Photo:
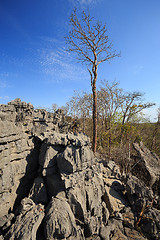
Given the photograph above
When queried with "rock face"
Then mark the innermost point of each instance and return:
(53, 187)
(149, 164)
(27, 222)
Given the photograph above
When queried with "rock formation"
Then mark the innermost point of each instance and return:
(53, 187)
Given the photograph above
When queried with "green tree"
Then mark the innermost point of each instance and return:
(132, 106)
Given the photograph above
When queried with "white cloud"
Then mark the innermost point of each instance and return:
(137, 68)
(151, 113)
(59, 65)
(3, 84)
(4, 97)
(85, 2)
(4, 75)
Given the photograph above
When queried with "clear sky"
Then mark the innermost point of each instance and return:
(35, 66)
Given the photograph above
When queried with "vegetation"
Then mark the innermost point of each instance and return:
(111, 117)
(120, 120)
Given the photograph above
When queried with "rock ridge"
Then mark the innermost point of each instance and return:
(53, 187)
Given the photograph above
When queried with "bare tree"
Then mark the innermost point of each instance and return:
(80, 107)
(110, 99)
(89, 40)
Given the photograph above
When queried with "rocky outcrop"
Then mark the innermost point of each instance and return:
(27, 221)
(53, 187)
(148, 163)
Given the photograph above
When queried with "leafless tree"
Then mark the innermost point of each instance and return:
(110, 100)
(90, 42)
(80, 107)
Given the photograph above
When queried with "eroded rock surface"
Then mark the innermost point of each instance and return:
(27, 222)
(149, 164)
(53, 187)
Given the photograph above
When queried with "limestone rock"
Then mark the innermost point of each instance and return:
(42, 162)
(84, 193)
(59, 222)
(112, 170)
(150, 223)
(27, 222)
(137, 193)
(149, 164)
(133, 234)
(128, 218)
(114, 201)
(38, 192)
(112, 231)
(47, 159)
(5, 221)
(74, 159)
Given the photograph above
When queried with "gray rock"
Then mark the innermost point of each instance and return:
(149, 163)
(128, 218)
(47, 160)
(41, 159)
(137, 193)
(150, 223)
(115, 201)
(84, 193)
(27, 222)
(58, 139)
(132, 234)
(54, 185)
(59, 222)
(112, 231)
(112, 170)
(38, 192)
(75, 159)
(5, 221)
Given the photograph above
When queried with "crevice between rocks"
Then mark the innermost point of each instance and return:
(27, 180)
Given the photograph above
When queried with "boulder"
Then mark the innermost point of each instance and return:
(150, 222)
(38, 192)
(113, 231)
(137, 193)
(27, 222)
(132, 234)
(148, 165)
(74, 159)
(6, 221)
(85, 190)
(59, 222)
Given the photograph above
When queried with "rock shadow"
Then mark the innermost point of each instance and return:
(31, 172)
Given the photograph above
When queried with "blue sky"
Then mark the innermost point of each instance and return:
(35, 66)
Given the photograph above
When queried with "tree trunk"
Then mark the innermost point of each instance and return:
(122, 128)
(94, 116)
(154, 136)
(110, 138)
(84, 124)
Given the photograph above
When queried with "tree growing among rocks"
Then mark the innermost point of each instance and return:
(90, 42)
